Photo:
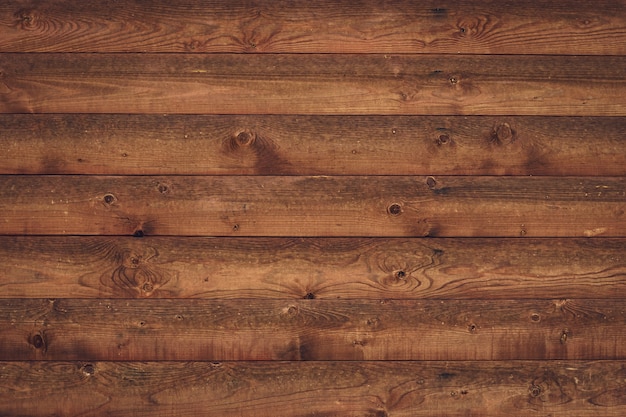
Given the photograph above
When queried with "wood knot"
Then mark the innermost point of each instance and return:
(38, 341)
(535, 390)
(291, 311)
(245, 138)
(394, 209)
(27, 19)
(136, 274)
(443, 139)
(88, 369)
(109, 199)
(502, 134)
(163, 188)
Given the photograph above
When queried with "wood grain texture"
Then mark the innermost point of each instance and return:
(367, 26)
(373, 389)
(397, 206)
(311, 145)
(295, 268)
(310, 329)
(313, 84)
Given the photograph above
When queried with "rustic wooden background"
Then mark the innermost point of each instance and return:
(330, 208)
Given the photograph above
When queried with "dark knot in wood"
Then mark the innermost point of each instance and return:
(502, 134)
(135, 273)
(394, 209)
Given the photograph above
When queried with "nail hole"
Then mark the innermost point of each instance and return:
(235, 228)
(309, 296)
(138, 233)
(472, 328)
(147, 287)
(443, 139)
(431, 182)
(535, 317)
(109, 198)
(400, 275)
(163, 189)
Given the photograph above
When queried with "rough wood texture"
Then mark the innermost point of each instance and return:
(309, 329)
(333, 197)
(373, 389)
(313, 84)
(269, 268)
(314, 206)
(367, 26)
(310, 145)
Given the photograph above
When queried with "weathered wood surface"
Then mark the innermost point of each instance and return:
(311, 329)
(380, 389)
(384, 206)
(313, 84)
(295, 268)
(467, 26)
(280, 164)
(310, 145)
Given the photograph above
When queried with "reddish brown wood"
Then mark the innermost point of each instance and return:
(313, 84)
(309, 145)
(335, 26)
(311, 329)
(314, 206)
(458, 389)
(291, 268)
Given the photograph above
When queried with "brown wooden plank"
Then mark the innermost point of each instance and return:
(310, 145)
(385, 206)
(294, 268)
(313, 84)
(467, 26)
(310, 329)
(381, 389)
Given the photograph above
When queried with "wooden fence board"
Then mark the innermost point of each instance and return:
(469, 26)
(310, 329)
(294, 268)
(380, 389)
(314, 206)
(313, 84)
(311, 145)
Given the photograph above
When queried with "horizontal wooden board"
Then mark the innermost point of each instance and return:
(311, 145)
(295, 268)
(468, 26)
(313, 84)
(310, 329)
(314, 206)
(376, 389)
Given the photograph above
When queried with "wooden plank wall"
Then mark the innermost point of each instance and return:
(331, 208)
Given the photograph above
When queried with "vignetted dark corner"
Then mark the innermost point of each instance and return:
(297, 208)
